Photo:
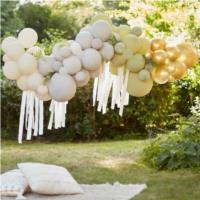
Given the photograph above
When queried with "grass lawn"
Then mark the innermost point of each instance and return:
(107, 162)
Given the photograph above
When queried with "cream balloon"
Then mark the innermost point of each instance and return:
(137, 30)
(132, 42)
(34, 81)
(91, 59)
(14, 50)
(27, 37)
(82, 78)
(102, 30)
(42, 90)
(119, 47)
(27, 63)
(138, 88)
(72, 64)
(123, 30)
(118, 60)
(135, 63)
(61, 87)
(107, 51)
(11, 70)
(7, 41)
(65, 51)
(84, 38)
(22, 83)
(145, 46)
(97, 43)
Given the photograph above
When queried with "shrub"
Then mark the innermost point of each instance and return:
(180, 149)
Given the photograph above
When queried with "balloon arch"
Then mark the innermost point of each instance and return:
(121, 60)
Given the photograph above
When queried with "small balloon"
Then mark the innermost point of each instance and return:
(97, 43)
(144, 75)
(123, 30)
(118, 60)
(145, 46)
(160, 75)
(65, 51)
(119, 47)
(107, 51)
(159, 56)
(173, 53)
(34, 81)
(135, 63)
(137, 31)
(82, 78)
(72, 64)
(180, 70)
(42, 90)
(84, 38)
(22, 83)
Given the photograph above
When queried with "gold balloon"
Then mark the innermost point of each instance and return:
(171, 79)
(170, 67)
(189, 55)
(149, 54)
(138, 88)
(180, 70)
(173, 53)
(159, 56)
(118, 60)
(160, 75)
(158, 44)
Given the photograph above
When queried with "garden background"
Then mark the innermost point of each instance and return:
(169, 115)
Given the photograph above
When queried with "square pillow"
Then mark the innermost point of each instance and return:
(49, 179)
(13, 183)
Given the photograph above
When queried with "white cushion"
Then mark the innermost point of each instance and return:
(49, 179)
(13, 183)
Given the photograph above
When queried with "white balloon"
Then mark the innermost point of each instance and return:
(56, 51)
(28, 37)
(35, 80)
(27, 63)
(101, 29)
(7, 41)
(22, 83)
(84, 38)
(97, 43)
(42, 90)
(6, 58)
(14, 50)
(56, 65)
(11, 70)
(35, 51)
(107, 51)
(91, 59)
(72, 64)
(82, 78)
(62, 87)
(76, 48)
(65, 51)
(45, 65)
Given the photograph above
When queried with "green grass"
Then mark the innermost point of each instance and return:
(107, 162)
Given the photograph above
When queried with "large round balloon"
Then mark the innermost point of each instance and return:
(27, 63)
(188, 54)
(11, 70)
(138, 88)
(180, 70)
(101, 29)
(84, 38)
(28, 37)
(62, 87)
(91, 59)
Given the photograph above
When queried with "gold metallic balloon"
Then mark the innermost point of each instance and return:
(159, 56)
(149, 54)
(173, 53)
(171, 79)
(180, 70)
(170, 67)
(158, 44)
(138, 88)
(188, 55)
(160, 75)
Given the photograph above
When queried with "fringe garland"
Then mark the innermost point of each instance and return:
(58, 114)
(31, 114)
(107, 82)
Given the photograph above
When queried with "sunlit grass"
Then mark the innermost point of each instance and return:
(107, 162)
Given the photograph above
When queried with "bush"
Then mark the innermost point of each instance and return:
(180, 149)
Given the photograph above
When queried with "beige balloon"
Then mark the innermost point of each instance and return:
(82, 78)
(11, 70)
(138, 88)
(42, 90)
(72, 64)
(7, 41)
(22, 83)
(34, 81)
(189, 55)
(132, 42)
(27, 63)
(28, 37)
